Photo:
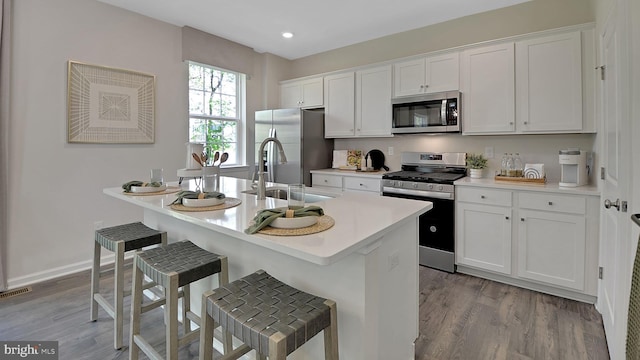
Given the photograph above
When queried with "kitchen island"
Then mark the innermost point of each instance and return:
(367, 262)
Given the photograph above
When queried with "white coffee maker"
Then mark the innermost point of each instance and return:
(574, 168)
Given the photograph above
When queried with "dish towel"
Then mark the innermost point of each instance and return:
(266, 216)
(196, 195)
(127, 186)
(633, 321)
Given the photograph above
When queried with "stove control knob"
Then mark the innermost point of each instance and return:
(399, 184)
(430, 186)
(440, 187)
(415, 185)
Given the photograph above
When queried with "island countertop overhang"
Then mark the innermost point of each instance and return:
(360, 219)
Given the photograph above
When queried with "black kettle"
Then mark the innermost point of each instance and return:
(377, 159)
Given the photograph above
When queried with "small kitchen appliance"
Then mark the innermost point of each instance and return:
(430, 177)
(426, 113)
(574, 168)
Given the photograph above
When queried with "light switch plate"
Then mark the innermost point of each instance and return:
(488, 152)
(390, 151)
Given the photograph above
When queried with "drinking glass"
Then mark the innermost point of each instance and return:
(295, 196)
(156, 176)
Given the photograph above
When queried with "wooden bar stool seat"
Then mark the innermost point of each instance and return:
(119, 239)
(173, 266)
(268, 316)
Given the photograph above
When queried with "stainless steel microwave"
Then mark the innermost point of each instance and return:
(427, 113)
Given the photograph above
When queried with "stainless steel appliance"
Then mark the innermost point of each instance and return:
(430, 177)
(427, 113)
(301, 133)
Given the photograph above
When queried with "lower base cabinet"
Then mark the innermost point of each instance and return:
(368, 184)
(534, 239)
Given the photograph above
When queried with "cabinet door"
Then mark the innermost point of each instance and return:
(549, 83)
(488, 89)
(326, 181)
(373, 102)
(483, 237)
(339, 110)
(409, 77)
(442, 73)
(290, 95)
(305, 93)
(551, 248)
(361, 184)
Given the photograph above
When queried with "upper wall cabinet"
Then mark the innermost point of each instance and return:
(488, 92)
(358, 104)
(426, 75)
(532, 86)
(302, 94)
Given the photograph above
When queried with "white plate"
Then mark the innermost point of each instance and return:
(294, 223)
(202, 202)
(148, 189)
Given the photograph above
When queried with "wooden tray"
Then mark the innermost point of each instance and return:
(520, 180)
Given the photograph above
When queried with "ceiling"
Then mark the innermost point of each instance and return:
(317, 26)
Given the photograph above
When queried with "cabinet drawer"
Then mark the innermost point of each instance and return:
(326, 180)
(483, 196)
(362, 184)
(552, 202)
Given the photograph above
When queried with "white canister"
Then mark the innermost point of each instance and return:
(191, 149)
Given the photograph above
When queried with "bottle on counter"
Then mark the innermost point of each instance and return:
(511, 169)
(519, 167)
(503, 165)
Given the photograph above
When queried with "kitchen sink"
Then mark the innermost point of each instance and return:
(281, 193)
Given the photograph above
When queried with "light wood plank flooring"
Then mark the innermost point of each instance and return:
(461, 317)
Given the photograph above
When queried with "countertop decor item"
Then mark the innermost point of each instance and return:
(128, 186)
(106, 105)
(265, 217)
(476, 163)
(190, 198)
(229, 202)
(324, 222)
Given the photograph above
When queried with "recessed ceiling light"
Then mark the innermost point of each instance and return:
(287, 35)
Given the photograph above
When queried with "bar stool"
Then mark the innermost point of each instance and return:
(172, 266)
(119, 239)
(267, 316)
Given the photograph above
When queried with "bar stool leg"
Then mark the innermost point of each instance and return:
(95, 280)
(223, 279)
(171, 311)
(331, 333)
(186, 307)
(118, 294)
(206, 330)
(277, 347)
(136, 309)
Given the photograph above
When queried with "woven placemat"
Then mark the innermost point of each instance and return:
(324, 222)
(168, 190)
(228, 203)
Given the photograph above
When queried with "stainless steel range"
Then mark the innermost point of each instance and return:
(430, 176)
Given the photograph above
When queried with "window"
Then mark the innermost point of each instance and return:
(215, 109)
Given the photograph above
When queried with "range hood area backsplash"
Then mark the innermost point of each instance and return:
(532, 148)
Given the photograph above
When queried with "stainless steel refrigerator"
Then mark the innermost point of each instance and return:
(301, 133)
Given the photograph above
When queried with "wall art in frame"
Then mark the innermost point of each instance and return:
(109, 106)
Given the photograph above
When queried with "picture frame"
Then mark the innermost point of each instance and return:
(107, 105)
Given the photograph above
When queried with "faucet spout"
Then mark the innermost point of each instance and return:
(261, 193)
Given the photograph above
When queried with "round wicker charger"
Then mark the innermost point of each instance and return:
(324, 222)
(228, 203)
(168, 190)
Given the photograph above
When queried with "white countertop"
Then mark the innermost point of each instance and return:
(547, 187)
(360, 219)
(352, 173)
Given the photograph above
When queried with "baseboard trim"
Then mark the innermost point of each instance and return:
(30, 279)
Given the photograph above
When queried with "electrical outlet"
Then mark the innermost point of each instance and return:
(97, 225)
(488, 152)
(390, 151)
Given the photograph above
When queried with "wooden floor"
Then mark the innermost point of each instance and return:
(461, 317)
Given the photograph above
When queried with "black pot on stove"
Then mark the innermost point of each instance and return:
(377, 159)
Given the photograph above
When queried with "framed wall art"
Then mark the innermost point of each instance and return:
(109, 106)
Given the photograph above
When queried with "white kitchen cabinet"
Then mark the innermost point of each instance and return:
(326, 181)
(302, 94)
(345, 181)
(550, 243)
(427, 75)
(339, 109)
(483, 230)
(358, 104)
(549, 83)
(373, 102)
(352, 183)
(488, 89)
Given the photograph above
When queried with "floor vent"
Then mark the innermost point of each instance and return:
(15, 292)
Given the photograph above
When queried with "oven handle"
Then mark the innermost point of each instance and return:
(419, 193)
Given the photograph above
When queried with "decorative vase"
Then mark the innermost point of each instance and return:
(475, 173)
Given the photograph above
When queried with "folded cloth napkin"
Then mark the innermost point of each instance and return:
(186, 194)
(127, 186)
(266, 216)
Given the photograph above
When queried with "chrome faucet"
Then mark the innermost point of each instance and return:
(262, 189)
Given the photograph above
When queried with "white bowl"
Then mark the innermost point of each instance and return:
(202, 202)
(294, 223)
(148, 189)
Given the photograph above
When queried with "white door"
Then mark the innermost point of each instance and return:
(614, 237)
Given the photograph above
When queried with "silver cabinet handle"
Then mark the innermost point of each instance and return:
(506, 218)
(522, 219)
(550, 203)
(608, 204)
(526, 122)
(511, 123)
(482, 196)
